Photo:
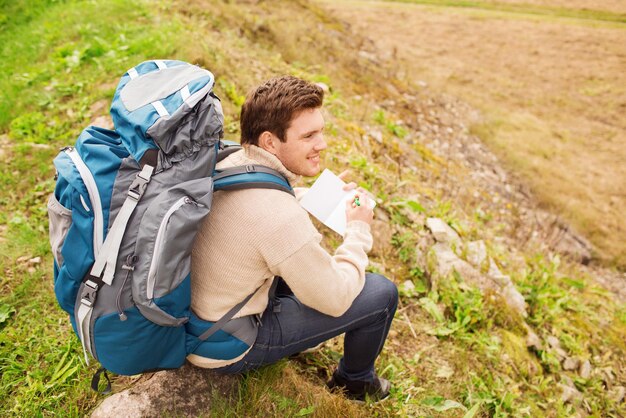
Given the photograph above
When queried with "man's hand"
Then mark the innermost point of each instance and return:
(359, 209)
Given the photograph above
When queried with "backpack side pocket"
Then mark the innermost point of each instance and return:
(161, 285)
(59, 221)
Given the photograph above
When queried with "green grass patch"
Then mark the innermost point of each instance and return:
(525, 9)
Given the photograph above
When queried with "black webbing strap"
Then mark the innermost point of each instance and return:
(95, 381)
(272, 295)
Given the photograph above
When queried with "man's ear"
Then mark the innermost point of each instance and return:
(267, 141)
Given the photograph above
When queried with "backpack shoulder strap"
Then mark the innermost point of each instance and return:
(251, 177)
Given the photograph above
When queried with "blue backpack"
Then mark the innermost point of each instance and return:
(124, 214)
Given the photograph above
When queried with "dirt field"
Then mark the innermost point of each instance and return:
(551, 92)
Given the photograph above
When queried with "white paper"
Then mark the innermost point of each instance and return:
(326, 200)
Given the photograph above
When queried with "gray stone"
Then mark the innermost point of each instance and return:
(584, 370)
(496, 275)
(617, 394)
(376, 135)
(476, 253)
(532, 339)
(514, 299)
(446, 261)
(185, 392)
(553, 342)
(570, 363)
(560, 353)
(570, 394)
(408, 286)
(442, 231)
(510, 293)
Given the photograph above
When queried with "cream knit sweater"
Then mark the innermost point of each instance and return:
(252, 235)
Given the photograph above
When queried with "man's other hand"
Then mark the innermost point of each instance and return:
(359, 209)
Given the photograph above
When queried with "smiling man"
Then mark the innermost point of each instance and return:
(253, 236)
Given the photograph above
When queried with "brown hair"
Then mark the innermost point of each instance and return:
(273, 105)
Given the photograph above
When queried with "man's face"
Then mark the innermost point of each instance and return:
(300, 153)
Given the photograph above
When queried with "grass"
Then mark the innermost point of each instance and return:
(453, 352)
(526, 9)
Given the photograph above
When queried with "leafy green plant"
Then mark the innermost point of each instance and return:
(392, 127)
(405, 244)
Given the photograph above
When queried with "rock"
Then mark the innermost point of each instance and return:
(447, 261)
(185, 392)
(375, 134)
(553, 342)
(560, 353)
(584, 370)
(476, 253)
(514, 299)
(617, 394)
(533, 340)
(563, 239)
(495, 273)
(408, 285)
(570, 363)
(570, 394)
(35, 261)
(382, 234)
(608, 375)
(442, 231)
(510, 293)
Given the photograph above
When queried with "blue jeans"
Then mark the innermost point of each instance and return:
(288, 327)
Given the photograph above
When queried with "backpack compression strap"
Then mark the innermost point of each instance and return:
(251, 177)
(104, 267)
(239, 178)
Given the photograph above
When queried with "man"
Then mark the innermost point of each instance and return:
(253, 235)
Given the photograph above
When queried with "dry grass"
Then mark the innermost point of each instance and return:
(552, 93)
(615, 6)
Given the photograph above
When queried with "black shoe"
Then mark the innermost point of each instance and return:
(359, 390)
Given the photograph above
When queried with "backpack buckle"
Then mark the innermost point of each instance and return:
(250, 169)
(89, 293)
(138, 186)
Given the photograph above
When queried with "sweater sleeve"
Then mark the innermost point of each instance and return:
(328, 283)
